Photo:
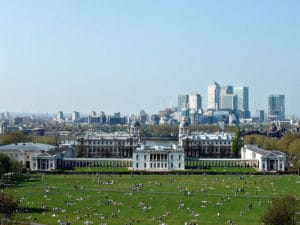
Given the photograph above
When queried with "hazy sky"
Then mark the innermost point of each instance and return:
(129, 55)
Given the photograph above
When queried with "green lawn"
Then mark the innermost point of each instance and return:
(149, 199)
(213, 169)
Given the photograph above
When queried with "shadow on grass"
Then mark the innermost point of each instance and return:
(31, 210)
(17, 180)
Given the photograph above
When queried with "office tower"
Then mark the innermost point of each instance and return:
(229, 102)
(242, 101)
(60, 116)
(75, 116)
(226, 90)
(276, 107)
(261, 115)
(183, 100)
(213, 94)
(195, 101)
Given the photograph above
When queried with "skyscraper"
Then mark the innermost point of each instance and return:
(276, 107)
(242, 101)
(75, 116)
(59, 116)
(195, 101)
(213, 94)
(183, 100)
(228, 100)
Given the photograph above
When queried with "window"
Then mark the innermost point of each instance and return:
(158, 165)
(150, 165)
(145, 157)
(171, 157)
(179, 157)
(137, 165)
(137, 157)
(179, 165)
(145, 165)
(172, 165)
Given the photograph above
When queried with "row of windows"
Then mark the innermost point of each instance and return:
(209, 151)
(159, 165)
(110, 142)
(209, 142)
(159, 157)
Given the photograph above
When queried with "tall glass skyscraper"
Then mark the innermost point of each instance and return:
(213, 95)
(183, 100)
(242, 101)
(276, 107)
(195, 101)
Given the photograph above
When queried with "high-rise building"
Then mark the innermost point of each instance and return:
(213, 94)
(195, 101)
(276, 107)
(75, 116)
(60, 116)
(242, 101)
(226, 90)
(261, 115)
(229, 102)
(183, 100)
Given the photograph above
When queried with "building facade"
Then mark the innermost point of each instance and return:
(213, 95)
(276, 107)
(267, 160)
(183, 101)
(109, 145)
(204, 145)
(195, 101)
(35, 156)
(75, 117)
(60, 116)
(242, 101)
(158, 158)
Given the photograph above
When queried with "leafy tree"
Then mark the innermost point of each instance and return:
(237, 143)
(294, 152)
(282, 211)
(5, 164)
(7, 207)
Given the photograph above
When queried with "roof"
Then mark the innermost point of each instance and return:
(28, 147)
(106, 136)
(159, 148)
(212, 136)
(264, 152)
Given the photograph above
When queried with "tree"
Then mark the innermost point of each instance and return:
(7, 207)
(282, 211)
(237, 143)
(5, 164)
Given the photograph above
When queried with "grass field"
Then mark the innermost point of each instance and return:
(147, 199)
(213, 169)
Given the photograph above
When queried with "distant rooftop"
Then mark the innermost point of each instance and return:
(263, 152)
(159, 148)
(29, 147)
(209, 136)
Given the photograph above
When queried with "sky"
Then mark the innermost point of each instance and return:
(124, 56)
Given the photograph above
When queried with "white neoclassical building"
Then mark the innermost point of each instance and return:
(158, 158)
(37, 156)
(267, 160)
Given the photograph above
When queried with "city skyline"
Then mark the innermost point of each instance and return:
(114, 56)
